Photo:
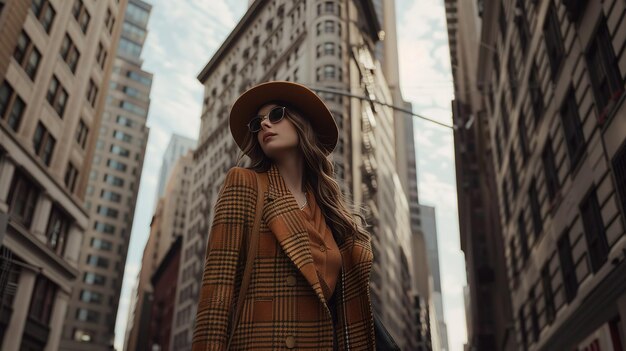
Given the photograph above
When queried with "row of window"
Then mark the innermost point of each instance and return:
(329, 72)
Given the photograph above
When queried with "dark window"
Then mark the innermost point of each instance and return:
(513, 170)
(110, 195)
(43, 143)
(57, 230)
(534, 317)
(44, 12)
(27, 55)
(122, 136)
(522, 25)
(81, 15)
(522, 327)
(71, 176)
(94, 279)
(11, 106)
(514, 269)
(498, 146)
(109, 21)
(116, 165)
(70, 53)
(42, 300)
(496, 66)
(595, 233)
(549, 168)
(81, 134)
(118, 150)
(108, 212)
(97, 261)
(101, 244)
(505, 117)
(619, 168)
(535, 208)
(512, 72)
(85, 315)
(606, 78)
(572, 128)
(101, 55)
(104, 227)
(92, 93)
(523, 236)
(57, 96)
(502, 21)
(567, 267)
(536, 96)
(554, 40)
(90, 296)
(523, 137)
(575, 8)
(113, 180)
(23, 197)
(548, 295)
(505, 200)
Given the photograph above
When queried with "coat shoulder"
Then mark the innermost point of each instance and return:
(239, 176)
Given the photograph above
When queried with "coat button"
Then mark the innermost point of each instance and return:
(290, 342)
(322, 247)
(291, 280)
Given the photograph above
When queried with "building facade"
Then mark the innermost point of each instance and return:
(111, 192)
(329, 46)
(167, 225)
(551, 74)
(55, 62)
(178, 146)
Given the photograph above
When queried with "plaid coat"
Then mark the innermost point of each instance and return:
(285, 307)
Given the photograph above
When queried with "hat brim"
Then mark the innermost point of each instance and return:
(296, 95)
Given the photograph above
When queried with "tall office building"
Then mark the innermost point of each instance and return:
(543, 81)
(55, 62)
(328, 45)
(167, 225)
(177, 147)
(111, 192)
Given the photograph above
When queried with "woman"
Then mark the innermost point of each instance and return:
(309, 288)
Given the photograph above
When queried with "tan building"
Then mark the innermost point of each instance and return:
(167, 225)
(55, 61)
(111, 192)
(552, 78)
(327, 45)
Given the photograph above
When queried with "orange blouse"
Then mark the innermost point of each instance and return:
(326, 255)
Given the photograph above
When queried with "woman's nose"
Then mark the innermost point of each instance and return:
(265, 123)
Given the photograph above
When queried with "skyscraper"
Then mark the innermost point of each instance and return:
(111, 192)
(177, 147)
(54, 68)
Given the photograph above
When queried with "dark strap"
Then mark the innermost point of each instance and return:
(253, 237)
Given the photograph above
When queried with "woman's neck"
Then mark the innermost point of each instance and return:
(291, 169)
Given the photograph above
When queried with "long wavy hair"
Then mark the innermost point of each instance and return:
(318, 174)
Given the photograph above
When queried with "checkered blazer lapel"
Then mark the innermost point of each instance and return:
(287, 222)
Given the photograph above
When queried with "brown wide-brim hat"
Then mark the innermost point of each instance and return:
(294, 95)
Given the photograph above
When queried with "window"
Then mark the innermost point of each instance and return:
(108, 212)
(575, 8)
(42, 300)
(129, 48)
(513, 254)
(97, 261)
(548, 295)
(125, 121)
(498, 146)
(329, 71)
(116, 165)
(122, 136)
(57, 230)
(549, 168)
(90, 296)
(101, 244)
(147, 81)
(535, 208)
(94, 279)
(92, 93)
(513, 171)
(597, 244)
(43, 143)
(110, 195)
(129, 106)
(86, 315)
(536, 96)
(101, 55)
(523, 236)
(496, 66)
(11, 106)
(567, 267)
(104, 227)
(505, 117)
(534, 317)
(57, 96)
(81, 15)
(554, 40)
(109, 21)
(44, 12)
(523, 137)
(572, 128)
(118, 150)
(23, 196)
(113, 180)
(604, 72)
(27, 55)
(137, 15)
(512, 72)
(522, 25)
(522, 327)
(81, 134)
(502, 21)
(71, 175)
(619, 169)
(505, 200)
(70, 53)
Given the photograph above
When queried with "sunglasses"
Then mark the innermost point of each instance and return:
(274, 116)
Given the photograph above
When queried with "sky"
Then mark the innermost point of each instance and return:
(183, 36)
